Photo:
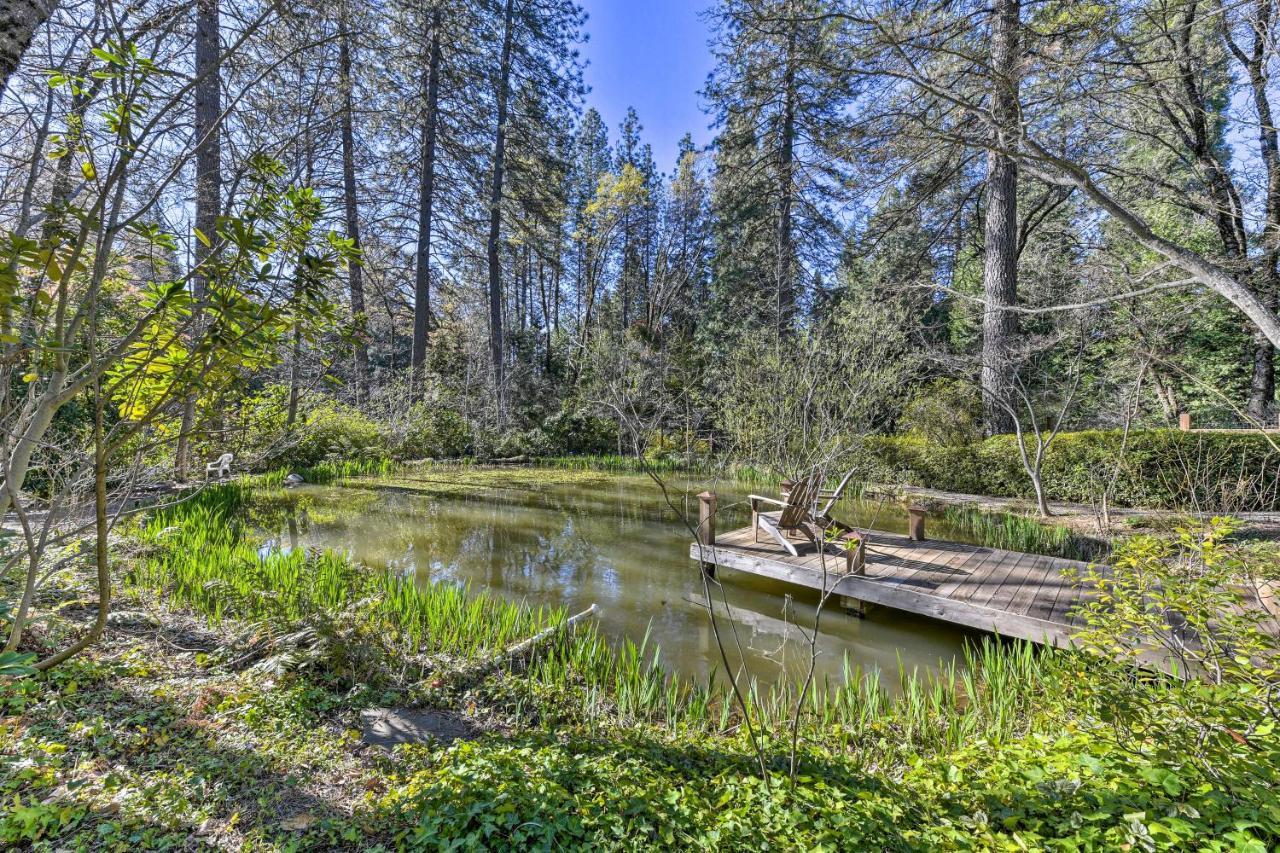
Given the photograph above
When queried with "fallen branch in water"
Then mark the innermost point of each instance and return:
(520, 649)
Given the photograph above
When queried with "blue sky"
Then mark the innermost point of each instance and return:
(652, 55)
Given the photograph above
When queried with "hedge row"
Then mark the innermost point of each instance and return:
(1158, 469)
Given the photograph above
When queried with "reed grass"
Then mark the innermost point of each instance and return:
(332, 472)
(989, 694)
(1013, 532)
(327, 473)
(202, 556)
(615, 464)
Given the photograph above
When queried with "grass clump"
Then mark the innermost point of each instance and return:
(1013, 532)
(702, 467)
(200, 554)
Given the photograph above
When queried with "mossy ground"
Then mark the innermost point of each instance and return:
(445, 480)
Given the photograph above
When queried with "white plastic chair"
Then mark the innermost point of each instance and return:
(221, 467)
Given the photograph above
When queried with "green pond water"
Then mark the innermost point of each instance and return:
(570, 539)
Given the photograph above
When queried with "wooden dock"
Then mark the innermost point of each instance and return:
(1018, 595)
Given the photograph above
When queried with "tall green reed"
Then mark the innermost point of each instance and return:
(1014, 532)
(202, 556)
(615, 464)
(990, 693)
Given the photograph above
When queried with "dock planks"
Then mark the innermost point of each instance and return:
(1018, 595)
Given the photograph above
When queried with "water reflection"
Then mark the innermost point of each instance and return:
(612, 542)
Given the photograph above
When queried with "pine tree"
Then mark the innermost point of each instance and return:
(781, 86)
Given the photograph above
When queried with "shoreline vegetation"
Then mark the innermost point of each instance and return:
(1070, 535)
(224, 707)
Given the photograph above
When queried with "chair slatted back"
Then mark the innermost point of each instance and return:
(838, 493)
(800, 502)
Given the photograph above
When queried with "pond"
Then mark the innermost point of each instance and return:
(571, 539)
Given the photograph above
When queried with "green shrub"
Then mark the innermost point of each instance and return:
(1159, 469)
(431, 431)
(331, 431)
(529, 442)
(944, 412)
(573, 431)
(1063, 793)
(568, 432)
(325, 430)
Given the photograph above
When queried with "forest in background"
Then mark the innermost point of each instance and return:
(958, 223)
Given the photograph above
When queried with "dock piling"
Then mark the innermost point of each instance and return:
(915, 522)
(707, 527)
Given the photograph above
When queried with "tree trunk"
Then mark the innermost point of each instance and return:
(1228, 207)
(1000, 272)
(785, 291)
(295, 381)
(208, 119)
(101, 523)
(19, 20)
(495, 205)
(1262, 387)
(426, 200)
(355, 272)
(1262, 390)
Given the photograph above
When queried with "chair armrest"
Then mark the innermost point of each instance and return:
(758, 499)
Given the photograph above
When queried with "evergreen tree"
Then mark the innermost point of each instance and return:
(782, 88)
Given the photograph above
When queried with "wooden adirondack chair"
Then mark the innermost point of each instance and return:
(796, 514)
(831, 498)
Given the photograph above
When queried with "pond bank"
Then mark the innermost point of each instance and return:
(166, 734)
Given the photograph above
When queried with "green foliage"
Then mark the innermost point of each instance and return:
(431, 431)
(1011, 748)
(944, 412)
(575, 431)
(1075, 791)
(14, 664)
(200, 554)
(335, 432)
(1159, 469)
(325, 431)
(1194, 607)
(333, 472)
(1066, 791)
(570, 431)
(1022, 533)
(530, 442)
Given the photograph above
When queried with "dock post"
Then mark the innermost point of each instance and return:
(1184, 421)
(855, 563)
(915, 523)
(855, 554)
(707, 527)
(854, 606)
